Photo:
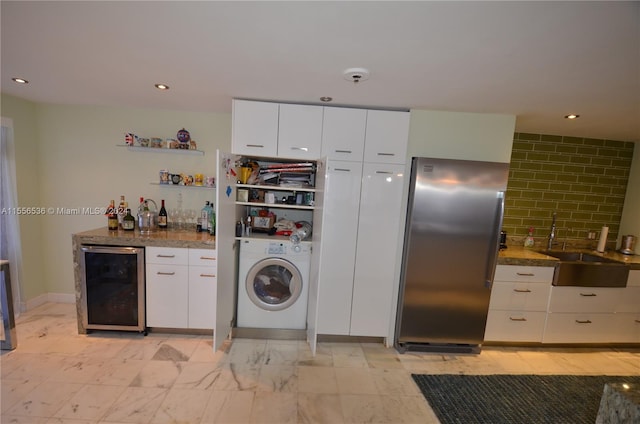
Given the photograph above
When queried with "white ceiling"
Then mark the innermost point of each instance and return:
(536, 60)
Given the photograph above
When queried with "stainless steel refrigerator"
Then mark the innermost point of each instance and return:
(452, 237)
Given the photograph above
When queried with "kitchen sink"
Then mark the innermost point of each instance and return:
(587, 270)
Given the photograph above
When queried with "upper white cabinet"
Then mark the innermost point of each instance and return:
(300, 131)
(255, 128)
(343, 131)
(276, 130)
(308, 132)
(386, 136)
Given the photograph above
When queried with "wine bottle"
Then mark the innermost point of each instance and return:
(162, 216)
(128, 222)
(112, 217)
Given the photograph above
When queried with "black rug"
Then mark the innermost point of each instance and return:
(515, 399)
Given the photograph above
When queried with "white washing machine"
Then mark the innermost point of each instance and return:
(273, 284)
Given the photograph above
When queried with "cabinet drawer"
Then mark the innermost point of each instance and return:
(634, 278)
(584, 299)
(519, 296)
(627, 328)
(579, 328)
(515, 326)
(541, 274)
(166, 255)
(630, 300)
(203, 257)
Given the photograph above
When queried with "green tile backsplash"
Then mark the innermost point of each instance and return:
(584, 180)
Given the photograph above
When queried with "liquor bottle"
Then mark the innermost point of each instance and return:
(128, 222)
(204, 218)
(112, 217)
(212, 220)
(122, 210)
(162, 216)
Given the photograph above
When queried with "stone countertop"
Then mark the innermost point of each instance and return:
(518, 255)
(160, 238)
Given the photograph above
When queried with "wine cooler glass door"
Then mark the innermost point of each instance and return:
(113, 288)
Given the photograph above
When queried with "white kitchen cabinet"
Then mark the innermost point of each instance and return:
(181, 287)
(203, 271)
(386, 136)
(627, 327)
(377, 245)
(584, 299)
(343, 132)
(582, 314)
(300, 131)
(167, 291)
(338, 246)
(579, 328)
(518, 304)
(255, 128)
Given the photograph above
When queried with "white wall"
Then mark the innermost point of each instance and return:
(23, 114)
(630, 221)
(67, 157)
(455, 135)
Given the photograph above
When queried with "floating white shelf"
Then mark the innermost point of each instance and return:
(162, 150)
(183, 186)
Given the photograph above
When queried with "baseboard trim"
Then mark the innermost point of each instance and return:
(47, 297)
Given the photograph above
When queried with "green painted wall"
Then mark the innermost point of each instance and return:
(583, 179)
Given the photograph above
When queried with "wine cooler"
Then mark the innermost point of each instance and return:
(113, 288)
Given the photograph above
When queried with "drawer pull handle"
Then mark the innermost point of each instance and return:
(526, 274)
(343, 151)
(517, 319)
(588, 294)
(166, 273)
(586, 321)
(207, 258)
(386, 154)
(384, 172)
(208, 275)
(343, 169)
(255, 145)
(522, 290)
(166, 256)
(304, 149)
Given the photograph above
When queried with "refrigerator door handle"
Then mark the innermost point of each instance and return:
(492, 260)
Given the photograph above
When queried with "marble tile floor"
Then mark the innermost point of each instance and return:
(58, 376)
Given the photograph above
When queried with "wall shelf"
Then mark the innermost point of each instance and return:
(183, 186)
(277, 188)
(276, 205)
(162, 150)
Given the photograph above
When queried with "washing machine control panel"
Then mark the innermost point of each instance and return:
(276, 249)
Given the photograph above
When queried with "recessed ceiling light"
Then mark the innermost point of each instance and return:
(572, 116)
(161, 86)
(20, 80)
(326, 99)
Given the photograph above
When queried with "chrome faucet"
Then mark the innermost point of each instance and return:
(552, 233)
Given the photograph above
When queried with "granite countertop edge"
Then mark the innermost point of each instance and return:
(518, 255)
(161, 238)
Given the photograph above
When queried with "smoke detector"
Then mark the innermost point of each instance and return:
(356, 75)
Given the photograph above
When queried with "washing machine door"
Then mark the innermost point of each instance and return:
(274, 284)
